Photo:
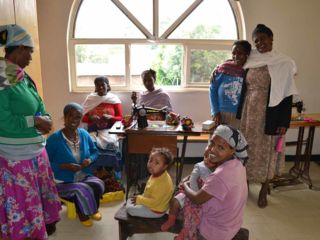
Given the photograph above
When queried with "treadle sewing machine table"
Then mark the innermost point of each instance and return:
(300, 170)
(157, 134)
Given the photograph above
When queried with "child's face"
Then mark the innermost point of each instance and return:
(239, 56)
(156, 164)
(218, 151)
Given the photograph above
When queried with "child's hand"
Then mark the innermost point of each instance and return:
(134, 199)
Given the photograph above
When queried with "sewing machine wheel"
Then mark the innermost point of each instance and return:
(142, 112)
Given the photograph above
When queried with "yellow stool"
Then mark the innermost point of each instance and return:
(71, 209)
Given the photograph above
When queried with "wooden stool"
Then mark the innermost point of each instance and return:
(71, 209)
(129, 225)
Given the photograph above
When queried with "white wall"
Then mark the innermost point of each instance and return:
(296, 32)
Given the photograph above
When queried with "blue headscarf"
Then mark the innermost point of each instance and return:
(14, 35)
(71, 106)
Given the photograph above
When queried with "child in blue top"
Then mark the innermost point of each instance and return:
(226, 85)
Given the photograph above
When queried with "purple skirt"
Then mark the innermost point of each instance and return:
(28, 198)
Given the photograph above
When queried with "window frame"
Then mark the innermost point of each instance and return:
(153, 38)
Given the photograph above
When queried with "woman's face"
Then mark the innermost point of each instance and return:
(23, 56)
(239, 56)
(263, 42)
(148, 82)
(218, 150)
(101, 88)
(72, 119)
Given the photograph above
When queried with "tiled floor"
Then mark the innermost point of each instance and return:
(293, 214)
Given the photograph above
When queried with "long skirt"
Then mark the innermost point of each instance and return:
(85, 194)
(28, 198)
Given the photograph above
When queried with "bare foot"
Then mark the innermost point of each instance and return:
(262, 201)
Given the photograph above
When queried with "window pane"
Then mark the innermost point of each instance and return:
(210, 20)
(166, 60)
(103, 19)
(142, 10)
(203, 62)
(93, 60)
(169, 11)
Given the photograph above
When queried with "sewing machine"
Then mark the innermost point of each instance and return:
(142, 114)
(299, 106)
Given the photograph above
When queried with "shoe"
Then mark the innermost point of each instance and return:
(87, 223)
(97, 216)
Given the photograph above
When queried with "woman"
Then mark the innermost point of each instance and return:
(226, 84)
(224, 193)
(29, 203)
(266, 111)
(70, 152)
(101, 110)
(154, 98)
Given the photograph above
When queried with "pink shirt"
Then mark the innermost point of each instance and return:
(222, 215)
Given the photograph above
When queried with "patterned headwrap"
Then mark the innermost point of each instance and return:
(13, 36)
(235, 139)
(71, 106)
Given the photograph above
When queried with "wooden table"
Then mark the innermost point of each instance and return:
(157, 134)
(300, 169)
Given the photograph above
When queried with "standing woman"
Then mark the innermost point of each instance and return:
(266, 111)
(29, 203)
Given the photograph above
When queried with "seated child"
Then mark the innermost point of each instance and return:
(224, 194)
(198, 175)
(154, 202)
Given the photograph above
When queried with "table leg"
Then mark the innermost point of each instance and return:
(304, 174)
(296, 169)
(127, 166)
(181, 162)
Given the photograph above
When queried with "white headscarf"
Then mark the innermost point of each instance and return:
(281, 69)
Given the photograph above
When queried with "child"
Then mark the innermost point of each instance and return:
(199, 173)
(226, 85)
(223, 196)
(154, 202)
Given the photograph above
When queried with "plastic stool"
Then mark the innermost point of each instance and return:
(71, 209)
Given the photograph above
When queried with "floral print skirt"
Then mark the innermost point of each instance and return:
(28, 198)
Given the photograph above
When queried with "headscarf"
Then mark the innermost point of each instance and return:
(14, 35)
(281, 69)
(71, 106)
(235, 139)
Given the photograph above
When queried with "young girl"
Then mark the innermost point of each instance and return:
(198, 175)
(154, 202)
(226, 85)
(224, 193)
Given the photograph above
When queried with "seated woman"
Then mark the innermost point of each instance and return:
(101, 110)
(224, 193)
(70, 152)
(154, 98)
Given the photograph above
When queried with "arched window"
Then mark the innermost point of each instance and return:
(183, 40)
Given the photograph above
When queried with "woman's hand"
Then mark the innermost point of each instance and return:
(134, 97)
(134, 199)
(86, 163)
(94, 118)
(281, 130)
(70, 166)
(106, 117)
(217, 119)
(43, 124)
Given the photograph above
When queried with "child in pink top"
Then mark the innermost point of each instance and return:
(224, 193)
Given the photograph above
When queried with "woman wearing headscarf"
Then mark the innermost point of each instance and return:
(71, 151)
(29, 203)
(266, 110)
(224, 193)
